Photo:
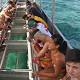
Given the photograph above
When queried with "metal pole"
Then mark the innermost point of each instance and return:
(40, 3)
(0, 4)
(53, 9)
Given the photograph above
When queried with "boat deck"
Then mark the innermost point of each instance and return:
(15, 59)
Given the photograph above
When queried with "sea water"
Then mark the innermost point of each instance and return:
(66, 17)
(68, 11)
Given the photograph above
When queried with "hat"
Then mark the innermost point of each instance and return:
(32, 23)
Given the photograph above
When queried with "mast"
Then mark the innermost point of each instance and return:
(53, 9)
(0, 4)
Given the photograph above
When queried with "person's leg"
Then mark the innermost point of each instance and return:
(44, 74)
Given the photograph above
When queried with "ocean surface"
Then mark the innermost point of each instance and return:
(66, 17)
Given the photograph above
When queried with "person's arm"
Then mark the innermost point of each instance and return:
(44, 73)
(59, 68)
(34, 50)
(44, 49)
(12, 9)
(56, 75)
(30, 30)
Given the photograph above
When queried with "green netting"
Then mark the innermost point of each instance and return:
(22, 61)
(16, 60)
(11, 61)
(18, 37)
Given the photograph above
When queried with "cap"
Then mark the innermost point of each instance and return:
(32, 23)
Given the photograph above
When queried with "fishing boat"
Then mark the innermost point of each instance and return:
(16, 57)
